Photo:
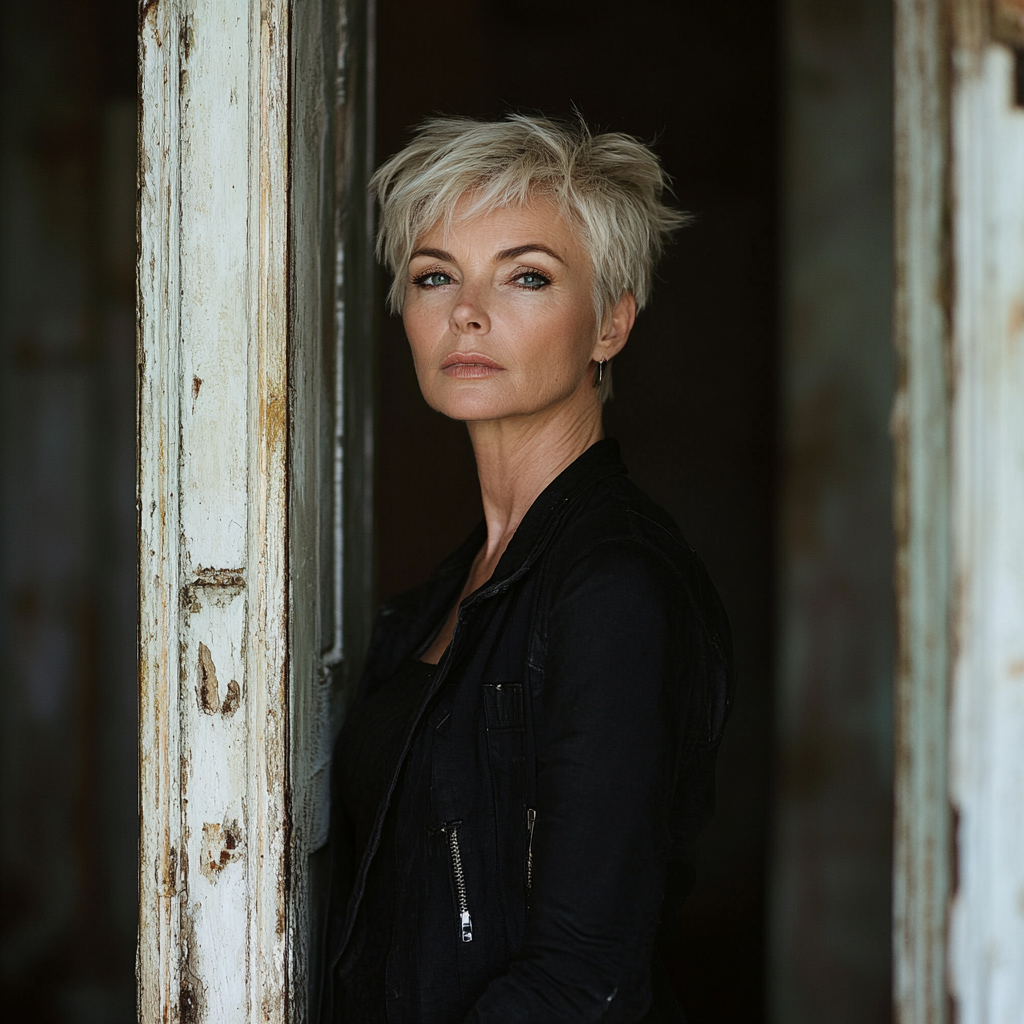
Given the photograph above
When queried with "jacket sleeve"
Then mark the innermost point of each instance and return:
(617, 702)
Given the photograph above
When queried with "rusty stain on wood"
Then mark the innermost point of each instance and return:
(228, 579)
(147, 8)
(209, 689)
(232, 700)
(1008, 22)
(209, 692)
(221, 845)
(192, 994)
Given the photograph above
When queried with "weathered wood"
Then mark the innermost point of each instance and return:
(959, 422)
(255, 316)
(987, 706)
(159, 590)
(920, 425)
(217, 890)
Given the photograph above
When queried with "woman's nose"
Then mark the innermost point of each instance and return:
(469, 316)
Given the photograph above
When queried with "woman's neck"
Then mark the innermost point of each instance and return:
(517, 457)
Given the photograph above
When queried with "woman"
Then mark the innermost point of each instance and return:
(530, 757)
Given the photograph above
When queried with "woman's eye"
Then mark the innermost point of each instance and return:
(433, 280)
(532, 280)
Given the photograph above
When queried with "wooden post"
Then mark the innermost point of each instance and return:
(245, 135)
(920, 425)
(959, 431)
(986, 946)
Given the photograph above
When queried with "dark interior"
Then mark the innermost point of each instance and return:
(695, 390)
(694, 411)
(68, 728)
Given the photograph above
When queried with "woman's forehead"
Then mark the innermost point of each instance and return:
(502, 227)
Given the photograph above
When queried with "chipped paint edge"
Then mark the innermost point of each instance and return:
(159, 618)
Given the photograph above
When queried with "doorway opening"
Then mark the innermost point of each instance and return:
(694, 408)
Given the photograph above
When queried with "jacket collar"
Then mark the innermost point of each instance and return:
(599, 461)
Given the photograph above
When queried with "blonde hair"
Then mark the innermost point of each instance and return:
(609, 186)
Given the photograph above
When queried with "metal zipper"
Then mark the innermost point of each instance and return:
(465, 921)
(531, 820)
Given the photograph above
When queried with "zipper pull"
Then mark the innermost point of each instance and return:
(467, 926)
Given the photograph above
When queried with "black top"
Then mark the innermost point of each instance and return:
(368, 748)
(552, 781)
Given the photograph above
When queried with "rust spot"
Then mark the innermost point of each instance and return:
(171, 872)
(192, 993)
(197, 383)
(1008, 22)
(209, 688)
(222, 584)
(187, 38)
(147, 8)
(189, 600)
(221, 845)
(1016, 324)
(229, 579)
(275, 419)
(209, 691)
(232, 700)
(1016, 667)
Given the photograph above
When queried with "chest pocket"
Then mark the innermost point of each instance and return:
(503, 705)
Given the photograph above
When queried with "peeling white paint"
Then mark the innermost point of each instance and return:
(216, 891)
(959, 425)
(987, 709)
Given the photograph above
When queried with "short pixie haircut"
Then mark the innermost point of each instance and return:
(609, 186)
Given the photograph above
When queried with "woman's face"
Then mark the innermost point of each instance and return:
(499, 312)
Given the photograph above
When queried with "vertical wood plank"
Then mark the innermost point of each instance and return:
(218, 893)
(959, 426)
(987, 706)
(255, 407)
(920, 426)
(159, 619)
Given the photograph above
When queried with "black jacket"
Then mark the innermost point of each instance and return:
(557, 773)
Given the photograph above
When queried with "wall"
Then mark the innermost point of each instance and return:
(68, 798)
(831, 853)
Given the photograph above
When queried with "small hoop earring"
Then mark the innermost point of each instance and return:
(599, 373)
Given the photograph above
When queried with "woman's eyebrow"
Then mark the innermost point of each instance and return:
(521, 250)
(499, 257)
(434, 254)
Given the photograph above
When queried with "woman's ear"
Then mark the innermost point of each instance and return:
(616, 328)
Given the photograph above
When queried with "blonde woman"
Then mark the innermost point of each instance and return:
(522, 778)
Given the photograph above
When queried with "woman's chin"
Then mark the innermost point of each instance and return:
(473, 400)
(469, 411)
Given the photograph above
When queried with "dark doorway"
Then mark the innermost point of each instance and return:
(695, 390)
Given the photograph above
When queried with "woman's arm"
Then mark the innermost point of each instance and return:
(617, 703)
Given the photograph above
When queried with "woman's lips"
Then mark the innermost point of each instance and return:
(467, 365)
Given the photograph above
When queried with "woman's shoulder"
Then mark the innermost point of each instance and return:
(616, 515)
(619, 531)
